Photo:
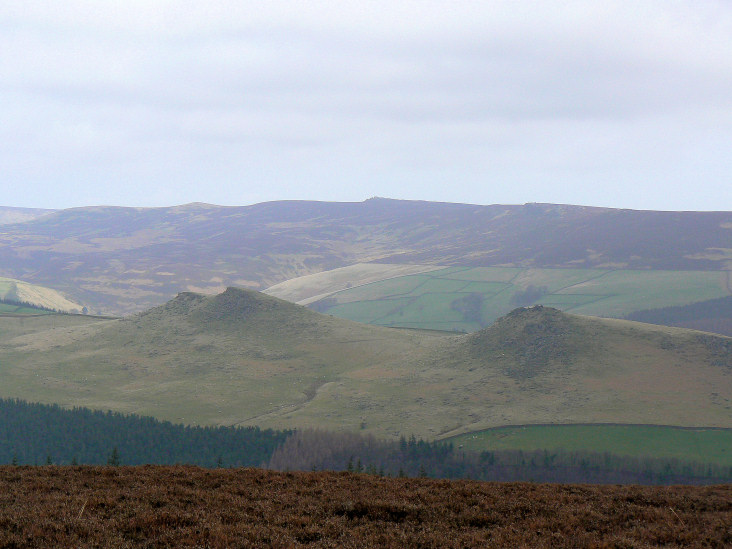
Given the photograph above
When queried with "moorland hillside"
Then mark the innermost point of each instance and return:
(123, 260)
(192, 507)
(245, 358)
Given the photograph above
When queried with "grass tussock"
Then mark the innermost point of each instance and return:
(191, 507)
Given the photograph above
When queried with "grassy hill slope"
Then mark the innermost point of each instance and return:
(314, 287)
(468, 298)
(123, 260)
(242, 357)
(17, 291)
(235, 358)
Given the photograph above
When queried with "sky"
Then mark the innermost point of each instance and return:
(157, 103)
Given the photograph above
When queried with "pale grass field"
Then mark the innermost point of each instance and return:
(17, 290)
(306, 289)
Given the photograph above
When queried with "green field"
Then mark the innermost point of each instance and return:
(702, 445)
(436, 300)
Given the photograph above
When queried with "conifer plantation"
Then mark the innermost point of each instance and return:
(37, 434)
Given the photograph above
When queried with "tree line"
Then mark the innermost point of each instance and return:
(712, 315)
(323, 450)
(38, 434)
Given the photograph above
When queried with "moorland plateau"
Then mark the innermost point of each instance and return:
(191, 507)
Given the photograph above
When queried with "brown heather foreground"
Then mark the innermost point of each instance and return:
(155, 506)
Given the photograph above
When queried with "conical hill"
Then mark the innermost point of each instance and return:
(245, 358)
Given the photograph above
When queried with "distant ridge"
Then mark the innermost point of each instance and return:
(19, 215)
(124, 260)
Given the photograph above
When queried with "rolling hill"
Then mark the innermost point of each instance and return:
(124, 260)
(245, 358)
(10, 215)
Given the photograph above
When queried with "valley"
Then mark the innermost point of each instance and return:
(117, 261)
(385, 318)
(415, 275)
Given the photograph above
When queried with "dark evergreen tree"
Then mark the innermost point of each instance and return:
(113, 457)
(30, 433)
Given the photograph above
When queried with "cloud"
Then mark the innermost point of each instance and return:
(235, 102)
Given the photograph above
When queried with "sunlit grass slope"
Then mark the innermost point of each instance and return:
(17, 291)
(468, 298)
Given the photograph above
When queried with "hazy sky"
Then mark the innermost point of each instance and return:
(623, 104)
